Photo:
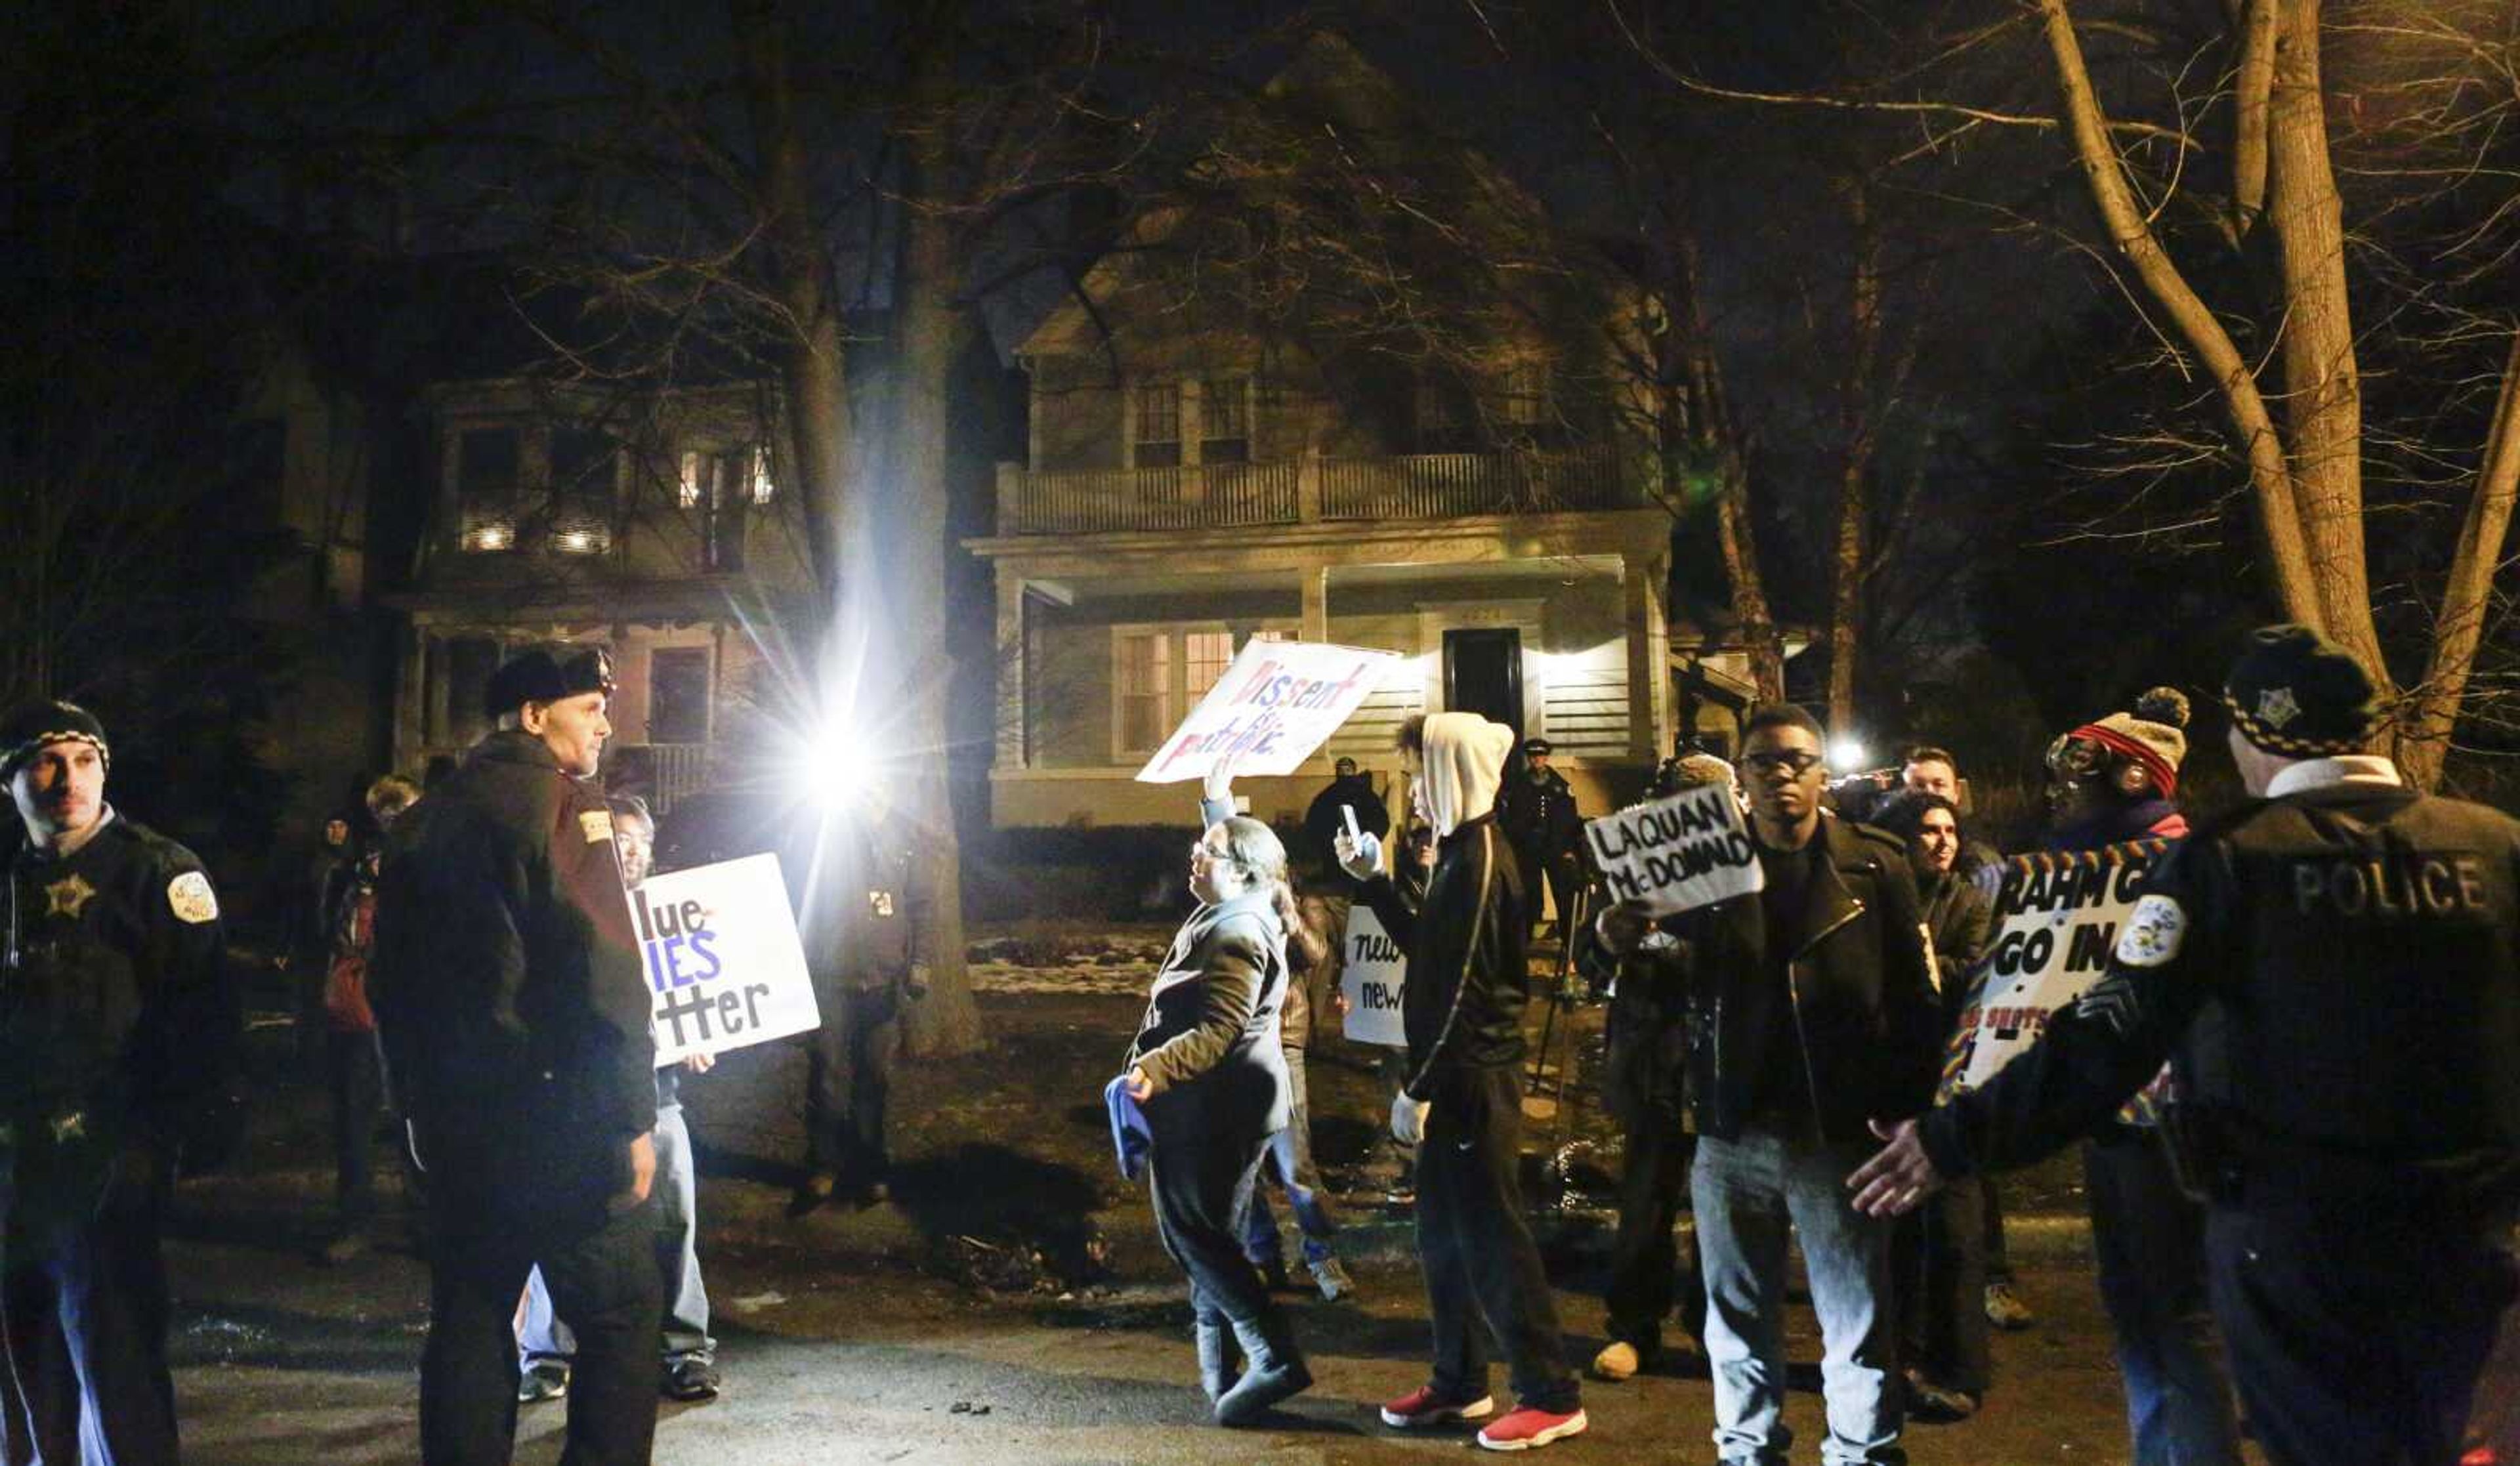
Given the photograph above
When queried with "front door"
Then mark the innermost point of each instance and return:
(1483, 675)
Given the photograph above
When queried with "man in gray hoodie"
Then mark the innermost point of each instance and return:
(1461, 1009)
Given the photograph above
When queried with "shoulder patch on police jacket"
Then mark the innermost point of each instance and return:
(190, 896)
(598, 824)
(2154, 934)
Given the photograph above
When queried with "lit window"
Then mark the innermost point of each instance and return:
(762, 488)
(696, 466)
(1205, 654)
(490, 534)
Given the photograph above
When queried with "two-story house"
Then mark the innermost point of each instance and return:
(651, 523)
(1210, 463)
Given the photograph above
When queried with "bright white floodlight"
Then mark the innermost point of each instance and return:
(1845, 753)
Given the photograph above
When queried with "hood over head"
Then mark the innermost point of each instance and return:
(1463, 765)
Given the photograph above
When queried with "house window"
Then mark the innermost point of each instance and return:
(1525, 413)
(488, 462)
(582, 491)
(1141, 684)
(678, 695)
(1158, 674)
(459, 669)
(719, 487)
(1157, 441)
(1444, 423)
(1225, 420)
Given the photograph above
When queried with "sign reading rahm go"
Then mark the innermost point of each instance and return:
(725, 970)
(1276, 703)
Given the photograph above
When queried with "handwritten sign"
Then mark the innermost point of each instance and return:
(1675, 853)
(1372, 977)
(1278, 703)
(725, 970)
(2057, 920)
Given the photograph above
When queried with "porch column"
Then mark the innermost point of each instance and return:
(1316, 603)
(411, 704)
(1014, 711)
(1644, 579)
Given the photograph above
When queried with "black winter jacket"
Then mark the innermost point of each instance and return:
(1487, 977)
(1872, 1031)
(508, 982)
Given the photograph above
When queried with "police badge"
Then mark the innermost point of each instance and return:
(2276, 706)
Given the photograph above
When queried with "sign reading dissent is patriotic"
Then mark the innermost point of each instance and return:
(1278, 703)
(725, 970)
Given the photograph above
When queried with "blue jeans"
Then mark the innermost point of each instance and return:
(543, 1337)
(2151, 1239)
(1289, 1161)
(1747, 1194)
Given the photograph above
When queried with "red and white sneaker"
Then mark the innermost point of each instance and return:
(1526, 1429)
(1422, 1407)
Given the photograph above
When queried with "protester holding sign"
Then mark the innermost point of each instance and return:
(1644, 1086)
(1460, 1101)
(1208, 1070)
(687, 1369)
(507, 984)
(1821, 1011)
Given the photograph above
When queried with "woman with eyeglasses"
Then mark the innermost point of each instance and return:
(1207, 1072)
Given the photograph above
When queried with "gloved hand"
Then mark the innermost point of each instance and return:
(1407, 1116)
(1360, 854)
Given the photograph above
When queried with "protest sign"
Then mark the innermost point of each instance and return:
(1371, 979)
(1673, 853)
(2057, 920)
(725, 970)
(1278, 703)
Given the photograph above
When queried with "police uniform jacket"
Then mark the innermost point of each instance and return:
(1862, 998)
(508, 982)
(119, 1022)
(2334, 975)
(1209, 1042)
(1539, 815)
(1469, 976)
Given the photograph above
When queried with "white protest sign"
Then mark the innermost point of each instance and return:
(725, 970)
(2057, 920)
(1371, 978)
(1675, 853)
(1278, 703)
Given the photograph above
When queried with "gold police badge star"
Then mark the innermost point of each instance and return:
(2276, 706)
(67, 897)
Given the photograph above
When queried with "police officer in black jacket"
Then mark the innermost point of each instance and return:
(119, 1036)
(514, 1006)
(2333, 970)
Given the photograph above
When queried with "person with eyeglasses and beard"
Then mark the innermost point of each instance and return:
(1810, 1010)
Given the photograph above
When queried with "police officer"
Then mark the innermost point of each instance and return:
(1536, 812)
(119, 1036)
(869, 966)
(514, 1006)
(2334, 970)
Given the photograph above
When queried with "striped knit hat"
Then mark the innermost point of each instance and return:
(2149, 736)
(2295, 694)
(32, 724)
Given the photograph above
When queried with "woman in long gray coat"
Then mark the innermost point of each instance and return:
(1207, 1072)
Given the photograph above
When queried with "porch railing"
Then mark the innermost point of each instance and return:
(1311, 490)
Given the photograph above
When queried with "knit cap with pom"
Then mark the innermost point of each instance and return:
(2149, 735)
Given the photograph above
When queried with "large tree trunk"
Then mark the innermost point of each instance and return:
(2322, 389)
(812, 362)
(1847, 562)
(1716, 441)
(914, 531)
(2423, 730)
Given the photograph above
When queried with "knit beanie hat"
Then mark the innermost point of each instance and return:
(2149, 736)
(32, 724)
(2296, 694)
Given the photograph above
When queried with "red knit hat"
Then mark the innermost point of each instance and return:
(2149, 736)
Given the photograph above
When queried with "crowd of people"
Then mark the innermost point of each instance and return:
(2289, 1085)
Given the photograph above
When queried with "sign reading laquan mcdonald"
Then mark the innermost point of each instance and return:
(725, 970)
(1278, 703)
(1672, 854)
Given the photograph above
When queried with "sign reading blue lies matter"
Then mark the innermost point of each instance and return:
(725, 970)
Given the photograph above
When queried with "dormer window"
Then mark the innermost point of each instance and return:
(1225, 420)
(1156, 438)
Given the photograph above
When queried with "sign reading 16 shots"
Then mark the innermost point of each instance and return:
(725, 970)
(1371, 979)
